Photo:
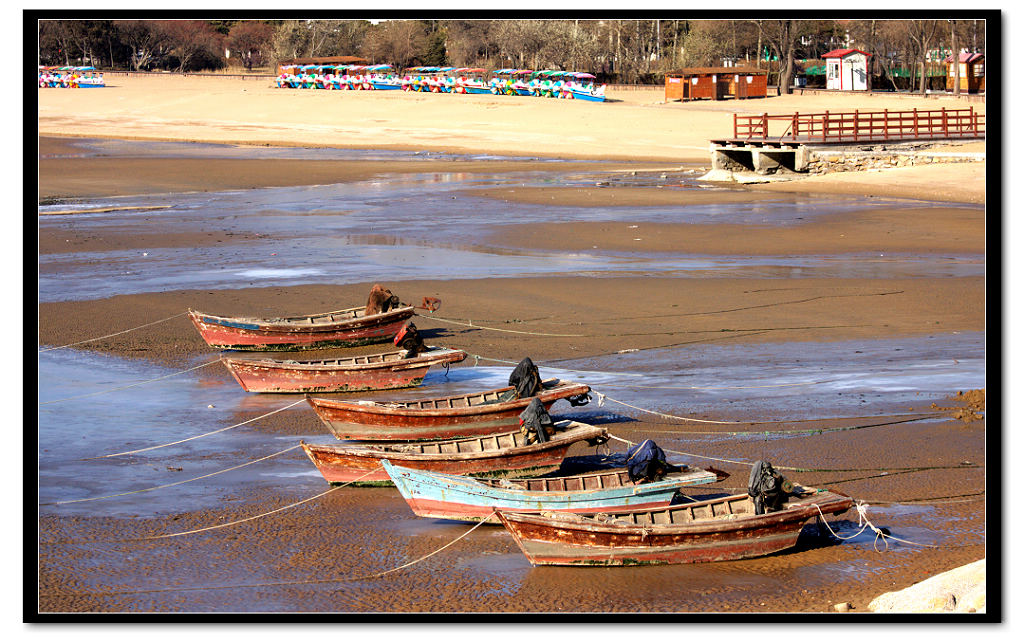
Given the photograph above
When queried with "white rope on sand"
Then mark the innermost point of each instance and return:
(601, 398)
(679, 452)
(115, 334)
(249, 519)
(205, 434)
(177, 483)
(477, 358)
(483, 327)
(131, 385)
(296, 582)
(864, 524)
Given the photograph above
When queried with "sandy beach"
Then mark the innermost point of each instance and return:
(558, 318)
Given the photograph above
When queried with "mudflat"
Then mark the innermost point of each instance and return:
(917, 473)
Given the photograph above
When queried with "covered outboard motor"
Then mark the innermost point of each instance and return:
(381, 300)
(409, 339)
(646, 462)
(536, 423)
(767, 488)
(525, 378)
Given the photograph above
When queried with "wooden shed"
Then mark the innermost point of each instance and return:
(329, 60)
(847, 70)
(715, 83)
(972, 73)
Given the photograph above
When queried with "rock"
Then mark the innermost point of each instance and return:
(960, 590)
(843, 607)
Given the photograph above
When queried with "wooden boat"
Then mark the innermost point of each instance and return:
(384, 371)
(342, 328)
(481, 413)
(499, 455)
(592, 96)
(706, 531)
(472, 499)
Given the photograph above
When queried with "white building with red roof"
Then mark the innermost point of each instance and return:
(847, 70)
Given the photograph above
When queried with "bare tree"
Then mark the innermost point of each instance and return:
(955, 54)
(142, 38)
(252, 42)
(923, 33)
(290, 39)
(395, 41)
(520, 42)
(55, 36)
(191, 38)
(470, 42)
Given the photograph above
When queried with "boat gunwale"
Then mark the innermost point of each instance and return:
(572, 432)
(472, 486)
(797, 511)
(443, 355)
(292, 324)
(401, 408)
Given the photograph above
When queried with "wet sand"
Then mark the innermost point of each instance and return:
(87, 564)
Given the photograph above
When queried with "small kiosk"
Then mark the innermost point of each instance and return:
(715, 83)
(847, 70)
(972, 73)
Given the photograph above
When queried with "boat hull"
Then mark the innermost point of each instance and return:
(226, 333)
(360, 463)
(555, 540)
(371, 421)
(582, 95)
(441, 496)
(270, 376)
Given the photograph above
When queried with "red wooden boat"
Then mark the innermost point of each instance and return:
(342, 328)
(707, 531)
(384, 371)
(498, 455)
(481, 413)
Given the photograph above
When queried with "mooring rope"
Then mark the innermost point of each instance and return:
(131, 385)
(864, 523)
(601, 399)
(177, 483)
(808, 470)
(771, 385)
(249, 519)
(793, 431)
(286, 583)
(107, 336)
(483, 327)
(478, 358)
(205, 434)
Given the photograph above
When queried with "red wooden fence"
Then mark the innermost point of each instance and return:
(863, 126)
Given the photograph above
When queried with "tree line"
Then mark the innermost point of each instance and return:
(619, 51)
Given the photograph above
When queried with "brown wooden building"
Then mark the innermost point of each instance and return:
(972, 73)
(715, 83)
(329, 60)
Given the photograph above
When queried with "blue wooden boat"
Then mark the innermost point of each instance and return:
(386, 84)
(586, 95)
(472, 499)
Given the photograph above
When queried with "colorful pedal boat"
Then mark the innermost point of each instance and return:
(384, 371)
(341, 329)
(472, 499)
(505, 454)
(706, 531)
(467, 415)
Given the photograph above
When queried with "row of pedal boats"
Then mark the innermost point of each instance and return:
(465, 458)
(505, 82)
